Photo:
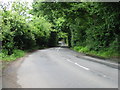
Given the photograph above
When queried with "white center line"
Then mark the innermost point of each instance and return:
(58, 49)
(78, 65)
(82, 66)
(69, 61)
(104, 76)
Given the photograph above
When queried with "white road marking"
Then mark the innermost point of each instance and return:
(69, 61)
(104, 76)
(58, 49)
(78, 65)
(100, 74)
(82, 66)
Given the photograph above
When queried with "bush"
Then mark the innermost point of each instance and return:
(77, 48)
(21, 32)
(16, 54)
(81, 49)
(105, 53)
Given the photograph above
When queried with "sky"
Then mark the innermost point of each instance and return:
(29, 1)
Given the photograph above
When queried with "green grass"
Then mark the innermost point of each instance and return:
(106, 53)
(16, 54)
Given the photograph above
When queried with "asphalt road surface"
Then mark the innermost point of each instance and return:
(58, 68)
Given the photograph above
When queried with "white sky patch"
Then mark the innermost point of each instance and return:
(29, 2)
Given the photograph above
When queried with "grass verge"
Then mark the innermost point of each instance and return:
(6, 59)
(106, 53)
(16, 54)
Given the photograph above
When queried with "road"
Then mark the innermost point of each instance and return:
(58, 68)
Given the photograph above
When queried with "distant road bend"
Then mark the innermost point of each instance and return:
(58, 68)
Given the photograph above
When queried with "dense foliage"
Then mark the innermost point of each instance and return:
(22, 31)
(92, 28)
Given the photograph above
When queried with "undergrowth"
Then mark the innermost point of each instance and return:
(16, 54)
(105, 53)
